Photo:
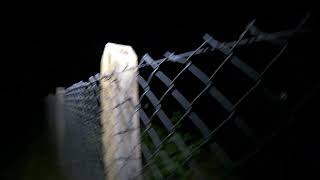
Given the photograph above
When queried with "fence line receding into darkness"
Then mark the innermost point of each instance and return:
(188, 107)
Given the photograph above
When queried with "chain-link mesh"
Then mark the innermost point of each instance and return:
(82, 148)
(188, 107)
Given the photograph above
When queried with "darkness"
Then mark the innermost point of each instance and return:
(43, 51)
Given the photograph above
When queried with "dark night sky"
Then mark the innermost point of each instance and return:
(45, 51)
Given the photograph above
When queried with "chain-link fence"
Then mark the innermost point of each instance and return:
(191, 108)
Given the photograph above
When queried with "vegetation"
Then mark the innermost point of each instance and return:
(203, 160)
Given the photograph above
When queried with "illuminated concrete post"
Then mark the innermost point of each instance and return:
(120, 123)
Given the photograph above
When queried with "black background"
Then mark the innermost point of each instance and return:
(43, 49)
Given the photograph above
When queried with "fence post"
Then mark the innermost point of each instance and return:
(59, 120)
(120, 122)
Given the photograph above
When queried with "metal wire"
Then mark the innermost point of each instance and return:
(82, 107)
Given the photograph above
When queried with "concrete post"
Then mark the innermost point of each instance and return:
(120, 122)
